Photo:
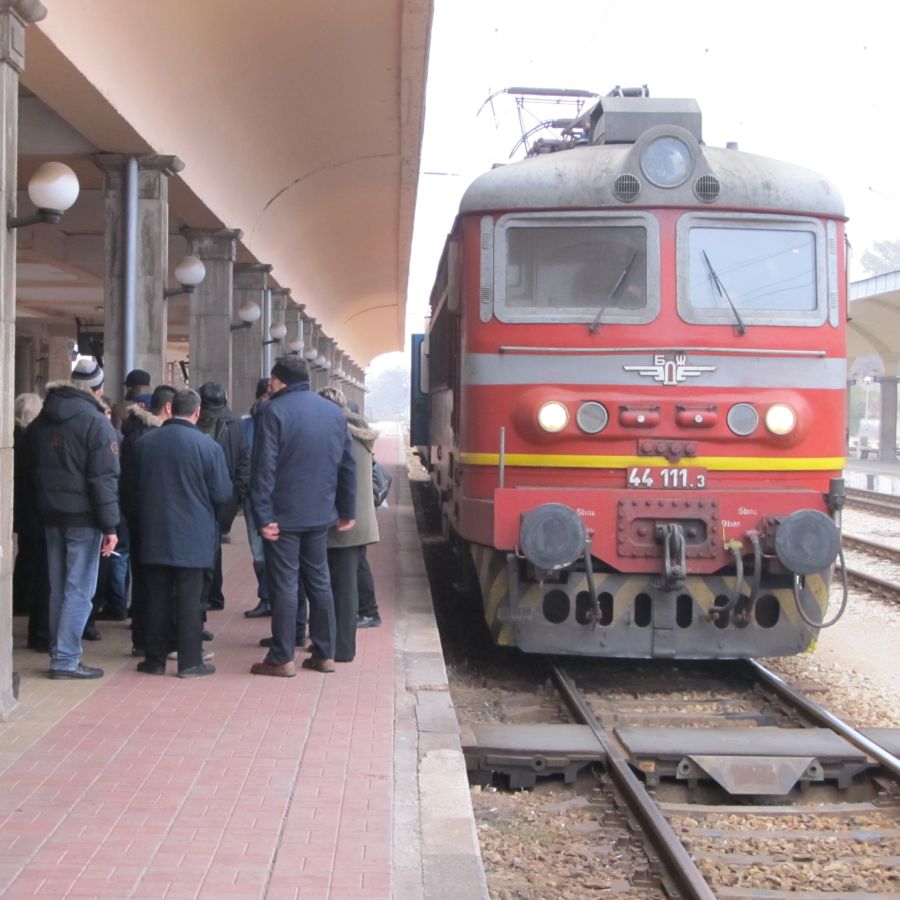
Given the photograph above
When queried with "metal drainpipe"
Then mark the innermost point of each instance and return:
(130, 265)
(266, 322)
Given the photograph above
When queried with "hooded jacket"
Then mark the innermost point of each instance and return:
(75, 458)
(365, 531)
(137, 423)
(227, 430)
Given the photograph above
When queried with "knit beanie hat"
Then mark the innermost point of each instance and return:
(87, 371)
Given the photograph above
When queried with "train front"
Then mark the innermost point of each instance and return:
(640, 428)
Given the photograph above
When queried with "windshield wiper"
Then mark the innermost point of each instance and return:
(594, 327)
(742, 329)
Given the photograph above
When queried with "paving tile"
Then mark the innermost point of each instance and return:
(231, 786)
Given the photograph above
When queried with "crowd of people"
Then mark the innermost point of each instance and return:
(121, 510)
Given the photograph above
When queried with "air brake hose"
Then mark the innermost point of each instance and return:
(735, 548)
(743, 615)
(839, 613)
(592, 588)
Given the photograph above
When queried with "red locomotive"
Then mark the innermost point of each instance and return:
(634, 390)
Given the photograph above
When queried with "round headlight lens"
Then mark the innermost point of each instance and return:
(592, 417)
(667, 162)
(553, 416)
(780, 419)
(742, 419)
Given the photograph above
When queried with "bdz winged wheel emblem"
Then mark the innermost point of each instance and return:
(670, 371)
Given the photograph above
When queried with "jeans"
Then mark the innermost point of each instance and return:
(296, 555)
(258, 552)
(73, 556)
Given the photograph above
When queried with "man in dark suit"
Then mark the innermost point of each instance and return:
(182, 480)
(303, 481)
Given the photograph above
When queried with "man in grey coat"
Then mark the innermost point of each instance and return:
(182, 480)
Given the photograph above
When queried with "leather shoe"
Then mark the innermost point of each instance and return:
(149, 669)
(90, 633)
(207, 635)
(39, 646)
(285, 670)
(197, 671)
(79, 672)
(267, 642)
(368, 621)
(215, 604)
(318, 664)
(259, 611)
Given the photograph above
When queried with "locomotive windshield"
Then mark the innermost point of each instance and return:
(576, 269)
(754, 273)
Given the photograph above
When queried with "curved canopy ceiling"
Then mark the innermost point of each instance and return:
(299, 123)
(875, 319)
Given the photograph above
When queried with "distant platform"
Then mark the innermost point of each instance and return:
(879, 475)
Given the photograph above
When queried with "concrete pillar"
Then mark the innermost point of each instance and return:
(247, 343)
(211, 305)
(280, 300)
(151, 267)
(888, 436)
(15, 17)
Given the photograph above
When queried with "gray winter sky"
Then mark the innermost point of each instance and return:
(813, 83)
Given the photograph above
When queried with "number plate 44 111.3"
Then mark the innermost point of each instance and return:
(675, 478)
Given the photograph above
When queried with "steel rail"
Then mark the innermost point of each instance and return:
(858, 542)
(887, 504)
(872, 581)
(822, 717)
(671, 850)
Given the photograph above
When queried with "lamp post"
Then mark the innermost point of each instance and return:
(277, 333)
(248, 313)
(188, 273)
(52, 189)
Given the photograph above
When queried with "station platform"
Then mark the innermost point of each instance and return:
(345, 785)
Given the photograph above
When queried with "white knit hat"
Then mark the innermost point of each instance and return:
(88, 371)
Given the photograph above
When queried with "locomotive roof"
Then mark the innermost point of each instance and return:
(583, 178)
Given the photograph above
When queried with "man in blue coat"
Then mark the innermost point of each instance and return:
(303, 481)
(181, 479)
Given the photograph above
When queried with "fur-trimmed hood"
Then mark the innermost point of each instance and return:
(144, 416)
(359, 429)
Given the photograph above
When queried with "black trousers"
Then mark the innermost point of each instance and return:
(173, 590)
(211, 596)
(368, 606)
(294, 556)
(343, 563)
(31, 588)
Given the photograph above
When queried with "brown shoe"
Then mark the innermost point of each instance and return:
(285, 670)
(319, 664)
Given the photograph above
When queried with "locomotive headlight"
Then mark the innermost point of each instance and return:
(780, 419)
(553, 416)
(667, 161)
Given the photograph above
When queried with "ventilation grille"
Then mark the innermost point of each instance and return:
(707, 188)
(627, 188)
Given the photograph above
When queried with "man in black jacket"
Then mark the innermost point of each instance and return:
(182, 481)
(76, 471)
(220, 423)
(137, 423)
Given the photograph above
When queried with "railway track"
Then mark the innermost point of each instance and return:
(885, 504)
(879, 577)
(841, 837)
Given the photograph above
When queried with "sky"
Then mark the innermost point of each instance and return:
(812, 83)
